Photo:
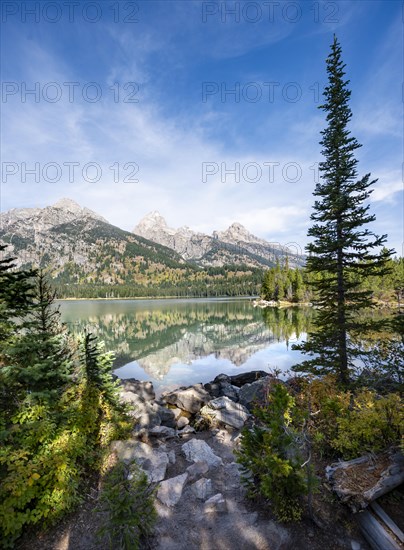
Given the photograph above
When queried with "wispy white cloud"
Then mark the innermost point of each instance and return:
(386, 189)
(170, 147)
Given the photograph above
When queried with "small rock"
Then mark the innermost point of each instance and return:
(197, 469)
(176, 412)
(355, 545)
(170, 490)
(182, 422)
(202, 488)
(215, 504)
(171, 457)
(186, 431)
(197, 450)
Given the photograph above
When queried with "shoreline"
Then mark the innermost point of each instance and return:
(255, 301)
(218, 298)
(263, 304)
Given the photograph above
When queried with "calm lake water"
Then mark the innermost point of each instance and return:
(182, 342)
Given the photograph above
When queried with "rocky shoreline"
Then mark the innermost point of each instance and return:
(185, 442)
(262, 304)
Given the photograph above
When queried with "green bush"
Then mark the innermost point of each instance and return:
(47, 447)
(371, 425)
(270, 455)
(347, 424)
(39, 470)
(127, 504)
(58, 406)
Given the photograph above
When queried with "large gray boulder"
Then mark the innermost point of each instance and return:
(170, 490)
(197, 469)
(141, 398)
(144, 390)
(230, 391)
(162, 432)
(221, 386)
(246, 377)
(256, 392)
(146, 413)
(147, 416)
(188, 399)
(197, 450)
(131, 398)
(154, 462)
(167, 416)
(225, 411)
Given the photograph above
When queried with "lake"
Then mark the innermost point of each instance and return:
(181, 342)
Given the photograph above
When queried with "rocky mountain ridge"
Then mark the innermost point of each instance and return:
(234, 245)
(31, 231)
(78, 244)
(24, 220)
(90, 258)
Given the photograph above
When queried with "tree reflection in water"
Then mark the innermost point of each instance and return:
(158, 334)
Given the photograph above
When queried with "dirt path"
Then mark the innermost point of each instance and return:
(241, 525)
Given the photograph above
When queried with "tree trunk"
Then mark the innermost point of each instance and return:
(342, 347)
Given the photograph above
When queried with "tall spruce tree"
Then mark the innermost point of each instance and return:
(40, 358)
(16, 301)
(343, 250)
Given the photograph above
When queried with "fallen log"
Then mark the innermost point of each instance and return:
(378, 510)
(379, 529)
(362, 480)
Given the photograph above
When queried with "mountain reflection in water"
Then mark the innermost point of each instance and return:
(181, 342)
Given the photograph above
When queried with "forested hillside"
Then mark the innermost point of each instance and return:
(89, 258)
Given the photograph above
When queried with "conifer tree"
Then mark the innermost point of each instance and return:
(40, 358)
(97, 367)
(16, 292)
(16, 299)
(297, 286)
(343, 250)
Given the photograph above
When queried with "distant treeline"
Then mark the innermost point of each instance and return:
(214, 282)
(277, 283)
(295, 285)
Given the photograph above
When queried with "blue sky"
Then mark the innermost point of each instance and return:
(178, 60)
